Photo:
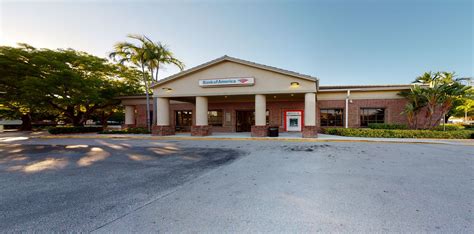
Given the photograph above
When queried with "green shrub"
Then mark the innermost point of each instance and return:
(449, 127)
(126, 131)
(399, 133)
(66, 130)
(468, 126)
(387, 126)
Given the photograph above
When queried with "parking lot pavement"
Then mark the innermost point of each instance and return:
(271, 187)
(79, 187)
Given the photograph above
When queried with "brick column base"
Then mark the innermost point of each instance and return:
(310, 132)
(259, 131)
(162, 130)
(204, 130)
(125, 126)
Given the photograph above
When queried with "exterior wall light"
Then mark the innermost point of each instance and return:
(168, 90)
(294, 84)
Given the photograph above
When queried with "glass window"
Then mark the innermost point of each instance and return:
(332, 117)
(215, 117)
(371, 115)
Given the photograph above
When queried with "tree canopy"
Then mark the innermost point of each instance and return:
(438, 93)
(65, 83)
(147, 56)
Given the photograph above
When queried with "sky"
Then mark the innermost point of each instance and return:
(352, 42)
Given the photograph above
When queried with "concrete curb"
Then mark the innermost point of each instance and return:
(195, 138)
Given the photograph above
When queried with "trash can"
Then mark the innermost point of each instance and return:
(273, 131)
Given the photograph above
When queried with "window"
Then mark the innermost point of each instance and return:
(371, 115)
(215, 118)
(331, 117)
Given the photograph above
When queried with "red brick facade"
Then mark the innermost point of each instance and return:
(258, 131)
(393, 109)
(201, 130)
(310, 132)
(162, 130)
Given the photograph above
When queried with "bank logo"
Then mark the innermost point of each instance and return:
(243, 81)
(237, 81)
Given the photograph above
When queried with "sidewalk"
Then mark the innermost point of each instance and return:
(294, 137)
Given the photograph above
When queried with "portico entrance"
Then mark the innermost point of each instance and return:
(240, 96)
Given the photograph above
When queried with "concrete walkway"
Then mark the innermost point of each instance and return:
(18, 136)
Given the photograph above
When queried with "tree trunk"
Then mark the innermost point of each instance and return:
(104, 118)
(26, 123)
(147, 91)
(416, 120)
(104, 123)
(76, 121)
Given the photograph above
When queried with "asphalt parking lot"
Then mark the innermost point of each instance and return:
(234, 186)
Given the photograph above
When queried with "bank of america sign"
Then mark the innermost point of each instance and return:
(237, 81)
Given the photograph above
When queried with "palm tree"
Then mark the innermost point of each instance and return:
(416, 102)
(160, 55)
(137, 55)
(466, 107)
(148, 56)
(443, 89)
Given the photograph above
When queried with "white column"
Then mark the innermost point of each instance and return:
(260, 110)
(162, 111)
(346, 111)
(201, 111)
(129, 114)
(310, 109)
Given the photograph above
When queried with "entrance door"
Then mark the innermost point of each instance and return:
(184, 120)
(293, 121)
(245, 120)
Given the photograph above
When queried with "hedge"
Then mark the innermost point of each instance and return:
(126, 131)
(396, 133)
(66, 130)
(448, 127)
(387, 126)
(469, 126)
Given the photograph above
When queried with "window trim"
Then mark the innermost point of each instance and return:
(361, 112)
(332, 108)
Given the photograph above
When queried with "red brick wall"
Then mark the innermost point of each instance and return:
(140, 115)
(393, 108)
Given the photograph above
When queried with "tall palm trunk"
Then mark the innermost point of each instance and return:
(147, 92)
(156, 72)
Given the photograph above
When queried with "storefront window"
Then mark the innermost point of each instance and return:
(331, 117)
(371, 115)
(215, 117)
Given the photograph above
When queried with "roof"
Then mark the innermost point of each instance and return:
(329, 88)
(365, 86)
(235, 60)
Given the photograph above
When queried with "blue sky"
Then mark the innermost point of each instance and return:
(341, 42)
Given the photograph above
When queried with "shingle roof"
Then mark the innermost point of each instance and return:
(236, 60)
